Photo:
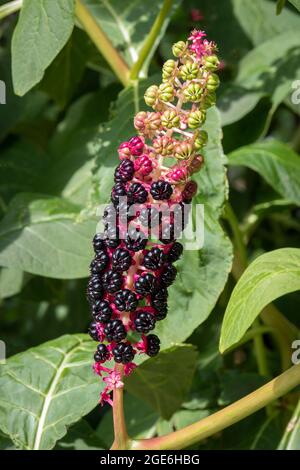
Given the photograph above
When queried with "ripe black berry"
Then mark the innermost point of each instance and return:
(137, 193)
(118, 191)
(111, 237)
(161, 190)
(99, 263)
(115, 331)
(168, 274)
(154, 259)
(112, 281)
(98, 242)
(149, 217)
(94, 289)
(144, 322)
(124, 171)
(123, 353)
(121, 259)
(102, 311)
(93, 332)
(161, 315)
(153, 345)
(102, 353)
(145, 284)
(175, 252)
(126, 300)
(110, 216)
(159, 299)
(135, 240)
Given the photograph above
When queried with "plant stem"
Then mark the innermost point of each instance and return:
(151, 40)
(9, 8)
(102, 43)
(228, 416)
(122, 440)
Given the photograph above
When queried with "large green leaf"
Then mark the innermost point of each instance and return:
(276, 162)
(80, 436)
(46, 389)
(127, 24)
(43, 29)
(164, 381)
(46, 235)
(11, 282)
(270, 276)
(296, 3)
(291, 437)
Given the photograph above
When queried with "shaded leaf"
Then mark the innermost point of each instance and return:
(46, 389)
(42, 30)
(296, 4)
(80, 436)
(270, 276)
(11, 282)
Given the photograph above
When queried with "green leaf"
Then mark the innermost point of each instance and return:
(236, 384)
(201, 278)
(128, 23)
(164, 381)
(291, 437)
(11, 282)
(33, 237)
(46, 389)
(80, 436)
(296, 4)
(276, 162)
(270, 276)
(42, 31)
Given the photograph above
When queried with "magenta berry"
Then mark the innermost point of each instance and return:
(133, 264)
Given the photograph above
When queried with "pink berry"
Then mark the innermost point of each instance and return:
(136, 145)
(124, 150)
(143, 165)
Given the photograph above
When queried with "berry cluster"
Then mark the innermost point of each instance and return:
(131, 273)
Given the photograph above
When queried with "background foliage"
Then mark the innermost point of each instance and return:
(66, 113)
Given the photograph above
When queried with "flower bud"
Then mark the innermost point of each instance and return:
(179, 48)
(193, 92)
(163, 145)
(213, 82)
(151, 95)
(170, 119)
(189, 70)
(124, 150)
(209, 100)
(168, 70)
(196, 164)
(196, 118)
(139, 121)
(184, 150)
(211, 62)
(201, 140)
(166, 92)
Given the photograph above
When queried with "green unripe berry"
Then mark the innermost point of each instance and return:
(166, 92)
(184, 150)
(196, 118)
(213, 82)
(211, 62)
(170, 119)
(168, 69)
(179, 48)
(208, 101)
(189, 71)
(151, 95)
(193, 92)
(201, 140)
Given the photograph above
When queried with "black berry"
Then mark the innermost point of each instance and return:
(121, 259)
(123, 353)
(159, 299)
(135, 240)
(124, 171)
(93, 332)
(102, 353)
(161, 190)
(175, 252)
(162, 313)
(154, 259)
(111, 237)
(168, 274)
(126, 300)
(103, 312)
(110, 216)
(98, 242)
(112, 281)
(137, 193)
(100, 262)
(94, 290)
(149, 217)
(145, 284)
(115, 331)
(118, 191)
(144, 322)
(153, 345)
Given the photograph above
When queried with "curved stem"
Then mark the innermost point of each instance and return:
(122, 439)
(10, 8)
(222, 419)
(151, 39)
(102, 43)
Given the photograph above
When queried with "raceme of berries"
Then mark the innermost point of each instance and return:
(133, 264)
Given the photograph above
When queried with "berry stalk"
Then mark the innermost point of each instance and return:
(134, 258)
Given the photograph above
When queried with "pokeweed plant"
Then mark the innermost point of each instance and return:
(170, 159)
